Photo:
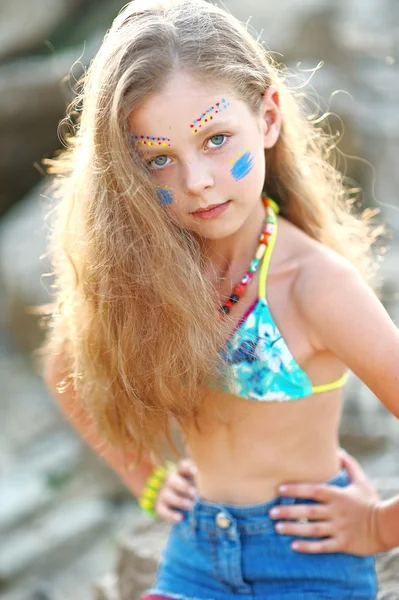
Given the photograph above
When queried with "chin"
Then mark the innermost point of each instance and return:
(218, 231)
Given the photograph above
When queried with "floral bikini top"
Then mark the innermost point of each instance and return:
(261, 366)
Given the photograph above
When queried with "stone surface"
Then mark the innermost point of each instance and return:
(138, 558)
(35, 483)
(27, 26)
(23, 268)
(45, 471)
(35, 89)
(33, 99)
(106, 589)
(64, 530)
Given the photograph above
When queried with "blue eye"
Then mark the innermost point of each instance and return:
(159, 162)
(217, 140)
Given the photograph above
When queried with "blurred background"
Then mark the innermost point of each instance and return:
(61, 510)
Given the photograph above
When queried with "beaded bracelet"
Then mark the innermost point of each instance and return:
(152, 486)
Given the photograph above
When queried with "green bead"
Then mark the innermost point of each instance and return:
(254, 265)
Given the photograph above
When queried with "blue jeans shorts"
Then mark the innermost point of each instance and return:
(225, 551)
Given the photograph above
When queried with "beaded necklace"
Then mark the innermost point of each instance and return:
(267, 231)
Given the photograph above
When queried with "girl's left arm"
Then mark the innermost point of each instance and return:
(351, 519)
(345, 317)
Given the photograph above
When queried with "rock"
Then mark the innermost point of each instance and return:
(25, 27)
(62, 532)
(32, 102)
(106, 589)
(388, 574)
(138, 558)
(22, 244)
(28, 414)
(366, 425)
(34, 484)
(36, 90)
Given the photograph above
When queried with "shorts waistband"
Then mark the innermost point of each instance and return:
(247, 518)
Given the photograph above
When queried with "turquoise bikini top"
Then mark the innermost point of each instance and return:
(261, 366)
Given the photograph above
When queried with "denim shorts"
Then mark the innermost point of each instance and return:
(223, 551)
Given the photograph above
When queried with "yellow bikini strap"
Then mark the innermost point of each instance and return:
(326, 387)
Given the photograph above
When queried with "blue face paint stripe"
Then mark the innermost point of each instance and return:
(242, 166)
(165, 196)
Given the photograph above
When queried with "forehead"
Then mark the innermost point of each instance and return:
(183, 103)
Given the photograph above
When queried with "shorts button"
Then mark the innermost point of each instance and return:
(222, 521)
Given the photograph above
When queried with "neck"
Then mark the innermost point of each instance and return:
(230, 256)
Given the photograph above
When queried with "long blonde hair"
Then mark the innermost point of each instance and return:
(134, 314)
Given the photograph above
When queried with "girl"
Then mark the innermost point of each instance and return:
(211, 278)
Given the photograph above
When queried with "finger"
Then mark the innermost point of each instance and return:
(187, 468)
(320, 492)
(320, 547)
(168, 514)
(353, 468)
(173, 500)
(313, 512)
(181, 485)
(311, 529)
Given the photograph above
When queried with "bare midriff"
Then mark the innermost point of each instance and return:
(245, 448)
(265, 444)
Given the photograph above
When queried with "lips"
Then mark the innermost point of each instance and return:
(212, 211)
(208, 208)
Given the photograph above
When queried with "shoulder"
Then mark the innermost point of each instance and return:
(326, 287)
(317, 264)
(324, 274)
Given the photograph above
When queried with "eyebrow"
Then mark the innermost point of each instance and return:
(208, 114)
(150, 140)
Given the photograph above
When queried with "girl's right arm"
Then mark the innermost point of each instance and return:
(55, 371)
(179, 488)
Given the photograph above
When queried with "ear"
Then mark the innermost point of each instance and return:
(270, 116)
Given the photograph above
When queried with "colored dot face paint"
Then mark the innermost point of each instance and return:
(208, 115)
(165, 195)
(150, 140)
(242, 166)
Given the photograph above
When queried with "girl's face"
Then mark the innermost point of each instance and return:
(205, 148)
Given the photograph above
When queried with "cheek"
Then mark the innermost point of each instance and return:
(242, 165)
(165, 195)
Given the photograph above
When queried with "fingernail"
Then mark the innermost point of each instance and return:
(178, 517)
(280, 526)
(192, 491)
(274, 512)
(188, 504)
(295, 546)
(193, 470)
(283, 488)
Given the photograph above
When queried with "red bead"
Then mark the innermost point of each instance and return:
(239, 290)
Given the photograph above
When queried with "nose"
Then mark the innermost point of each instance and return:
(198, 177)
